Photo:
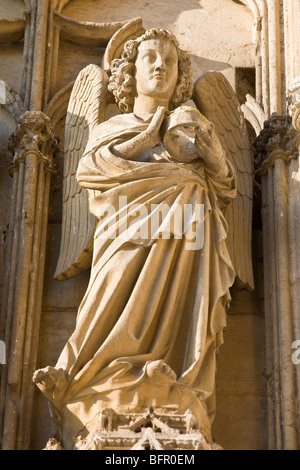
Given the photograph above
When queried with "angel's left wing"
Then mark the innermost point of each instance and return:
(215, 98)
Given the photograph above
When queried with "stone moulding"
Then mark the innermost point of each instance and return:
(57, 107)
(270, 162)
(85, 33)
(254, 114)
(12, 101)
(11, 30)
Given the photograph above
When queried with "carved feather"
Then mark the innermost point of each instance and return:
(215, 98)
(87, 107)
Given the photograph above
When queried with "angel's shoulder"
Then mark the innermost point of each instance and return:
(119, 121)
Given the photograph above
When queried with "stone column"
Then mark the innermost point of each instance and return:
(33, 145)
(276, 156)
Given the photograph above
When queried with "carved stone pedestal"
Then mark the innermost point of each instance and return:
(148, 431)
(156, 413)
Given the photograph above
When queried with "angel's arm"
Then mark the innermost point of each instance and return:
(210, 150)
(146, 140)
(218, 169)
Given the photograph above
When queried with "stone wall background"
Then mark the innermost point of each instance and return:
(219, 35)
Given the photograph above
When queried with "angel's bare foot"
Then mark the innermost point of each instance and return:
(160, 372)
(48, 379)
(45, 376)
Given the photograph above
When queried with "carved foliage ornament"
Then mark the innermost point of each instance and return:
(33, 134)
(276, 140)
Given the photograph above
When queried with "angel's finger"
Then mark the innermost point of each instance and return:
(204, 137)
(158, 117)
(200, 147)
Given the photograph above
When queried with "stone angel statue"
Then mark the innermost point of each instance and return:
(157, 199)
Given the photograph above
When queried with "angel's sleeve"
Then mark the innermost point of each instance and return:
(90, 172)
(99, 169)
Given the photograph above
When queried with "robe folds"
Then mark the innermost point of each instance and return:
(151, 295)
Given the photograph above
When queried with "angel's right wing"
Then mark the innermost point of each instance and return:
(87, 107)
(215, 98)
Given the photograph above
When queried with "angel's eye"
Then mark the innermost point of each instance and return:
(169, 60)
(149, 56)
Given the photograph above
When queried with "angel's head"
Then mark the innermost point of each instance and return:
(134, 72)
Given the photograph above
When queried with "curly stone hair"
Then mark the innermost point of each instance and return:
(122, 80)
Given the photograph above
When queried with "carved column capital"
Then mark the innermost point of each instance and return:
(276, 140)
(33, 135)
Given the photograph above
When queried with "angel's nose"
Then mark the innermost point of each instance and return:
(159, 63)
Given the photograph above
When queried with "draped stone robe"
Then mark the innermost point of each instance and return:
(150, 298)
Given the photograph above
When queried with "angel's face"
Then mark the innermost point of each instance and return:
(156, 68)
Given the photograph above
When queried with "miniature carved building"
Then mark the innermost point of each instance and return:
(255, 46)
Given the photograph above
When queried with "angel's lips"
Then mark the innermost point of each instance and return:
(159, 76)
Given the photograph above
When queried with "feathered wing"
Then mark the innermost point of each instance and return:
(215, 98)
(87, 107)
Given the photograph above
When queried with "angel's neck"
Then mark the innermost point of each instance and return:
(148, 105)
